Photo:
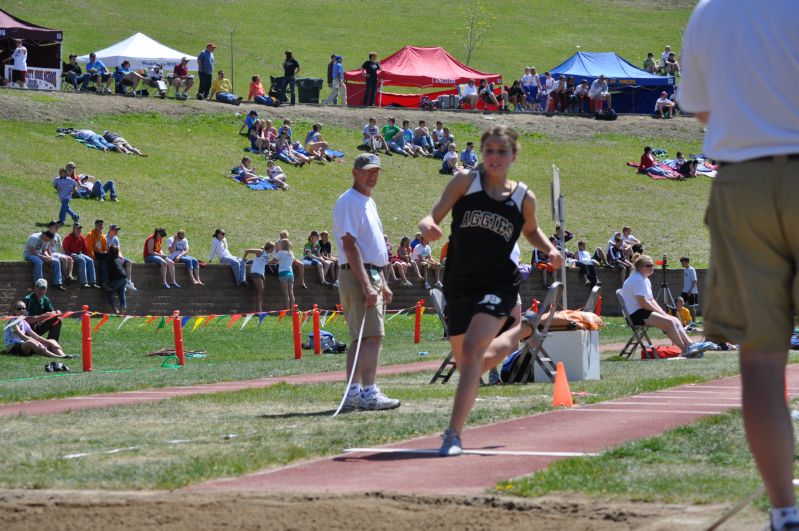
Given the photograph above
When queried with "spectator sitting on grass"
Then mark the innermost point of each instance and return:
(286, 153)
(315, 145)
(686, 168)
(276, 175)
(20, 340)
(154, 255)
(36, 251)
(408, 137)
(390, 133)
(75, 245)
(89, 186)
(258, 140)
(178, 247)
(122, 145)
(444, 140)
(65, 187)
(648, 164)
(113, 239)
(181, 79)
(436, 134)
(258, 95)
(664, 105)
(451, 162)
(222, 88)
(372, 137)
(42, 317)
(421, 137)
(651, 64)
(249, 121)
(671, 65)
(683, 313)
(246, 173)
(219, 248)
(468, 156)
(117, 280)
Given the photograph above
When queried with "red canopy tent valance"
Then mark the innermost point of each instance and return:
(414, 66)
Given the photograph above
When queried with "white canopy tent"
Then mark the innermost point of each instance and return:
(142, 52)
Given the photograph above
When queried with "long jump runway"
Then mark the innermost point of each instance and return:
(503, 450)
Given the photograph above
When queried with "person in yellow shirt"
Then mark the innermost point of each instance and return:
(97, 250)
(223, 89)
(682, 312)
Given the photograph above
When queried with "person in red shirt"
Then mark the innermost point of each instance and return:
(648, 163)
(75, 246)
(181, 79)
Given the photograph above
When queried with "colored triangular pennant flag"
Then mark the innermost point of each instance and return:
(209, 319)
(233, 318)
(101, 323)
(124, 320)
(282, 315)
(246, 320)
(161, 324)
(197, 323)
(184, 321)
(261, 318)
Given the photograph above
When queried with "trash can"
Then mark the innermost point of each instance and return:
(308, 89)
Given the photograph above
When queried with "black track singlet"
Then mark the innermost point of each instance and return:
(482, 235)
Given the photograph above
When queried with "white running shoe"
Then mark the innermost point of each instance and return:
(130, 287)
(377, 401)
(438, 284)
(452, 445)
(351, 403)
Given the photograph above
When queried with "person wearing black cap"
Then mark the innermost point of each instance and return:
(43, 318)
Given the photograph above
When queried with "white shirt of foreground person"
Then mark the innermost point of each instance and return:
(636, 285)
(747, 120)
(356, 214)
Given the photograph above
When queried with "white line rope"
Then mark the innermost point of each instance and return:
(434, 451)
(354, 365)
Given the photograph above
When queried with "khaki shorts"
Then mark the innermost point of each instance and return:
(753, 286)
(351, 295)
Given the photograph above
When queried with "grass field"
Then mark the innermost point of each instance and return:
(541, 33)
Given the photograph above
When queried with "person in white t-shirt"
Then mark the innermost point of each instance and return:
(469, 94)
(581, 91)
(363, 290)
(423, 256)
(19, 71)
(599, 92)
(664, 105)
(258, 270)
(665, 55)
(451, 162)
(636, 293)
(753, 129)
(372, 137)
(587, 266)
(178, 247)
(690, 286)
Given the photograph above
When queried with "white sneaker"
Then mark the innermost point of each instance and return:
(377, 401)
(452, 445)
(426, 285)
(351, 403)
(130, 287)
(438, 284)
(335, 284)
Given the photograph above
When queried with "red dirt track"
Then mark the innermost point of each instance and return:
(591, 428)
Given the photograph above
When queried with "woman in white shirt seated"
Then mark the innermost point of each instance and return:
(636, 294)
(219, 248)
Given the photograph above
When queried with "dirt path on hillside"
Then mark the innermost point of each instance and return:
(74, 109)
(103, 510)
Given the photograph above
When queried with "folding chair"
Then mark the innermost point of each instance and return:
(534, 346)
(639, 337)
(590, 302)
(447, 367)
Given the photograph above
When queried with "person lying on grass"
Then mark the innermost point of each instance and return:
(122, 145)
(20, 340)
(247, 175)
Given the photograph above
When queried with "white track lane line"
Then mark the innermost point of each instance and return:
(434, 451)
(684, 411)
(692, 404)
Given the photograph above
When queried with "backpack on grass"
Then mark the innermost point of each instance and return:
(524, 374)
(327, 342)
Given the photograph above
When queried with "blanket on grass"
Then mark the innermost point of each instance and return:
(667, 171)
(262, 184)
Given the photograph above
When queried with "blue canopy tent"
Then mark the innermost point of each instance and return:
(633, 90)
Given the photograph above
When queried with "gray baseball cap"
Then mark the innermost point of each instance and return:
(366, 161)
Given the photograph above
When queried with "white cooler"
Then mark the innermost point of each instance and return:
(579, 352)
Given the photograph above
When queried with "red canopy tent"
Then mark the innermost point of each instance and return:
(414, 66)
(44, 49)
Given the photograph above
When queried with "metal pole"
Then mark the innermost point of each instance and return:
(232, 77)
(562, 237)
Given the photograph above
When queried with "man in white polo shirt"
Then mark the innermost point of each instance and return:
(362, 287)
(753, 213)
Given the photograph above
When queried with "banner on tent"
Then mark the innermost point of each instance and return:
(40, 78)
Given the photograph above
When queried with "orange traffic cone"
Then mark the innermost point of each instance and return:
(562, 397)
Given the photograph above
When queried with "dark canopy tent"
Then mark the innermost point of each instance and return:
(44, 49)
(633, 90)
